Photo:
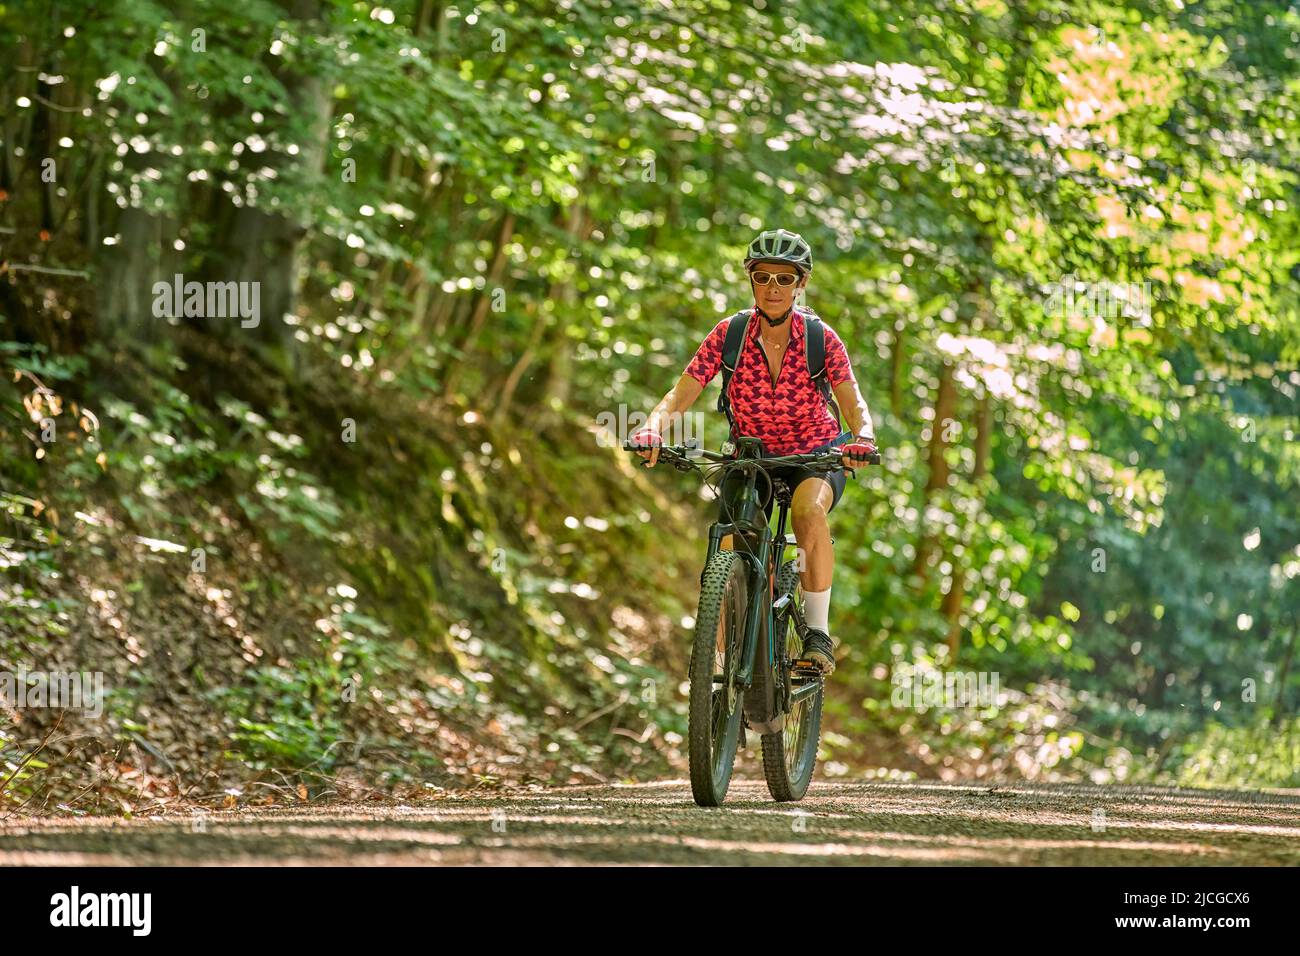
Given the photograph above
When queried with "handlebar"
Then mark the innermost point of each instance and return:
(683, 458)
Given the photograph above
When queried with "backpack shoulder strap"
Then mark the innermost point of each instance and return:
(814, 346)
(735, 336)
(814, 353)
(736, 327)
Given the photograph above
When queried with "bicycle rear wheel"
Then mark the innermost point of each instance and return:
(715, 705)
(790, 755)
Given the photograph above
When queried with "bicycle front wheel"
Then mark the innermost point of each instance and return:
(715, 707)
(790, 754)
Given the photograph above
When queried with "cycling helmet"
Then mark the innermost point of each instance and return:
(780, 245)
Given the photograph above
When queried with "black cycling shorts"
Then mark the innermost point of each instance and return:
(792, 475)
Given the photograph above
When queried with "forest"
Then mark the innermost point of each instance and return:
(321, 324)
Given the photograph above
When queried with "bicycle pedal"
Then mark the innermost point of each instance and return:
(802, 667)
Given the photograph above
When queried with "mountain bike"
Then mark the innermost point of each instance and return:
(749, 631)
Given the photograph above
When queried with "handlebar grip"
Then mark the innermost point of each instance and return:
(873, 458)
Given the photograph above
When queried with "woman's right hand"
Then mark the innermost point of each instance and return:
(651, 437)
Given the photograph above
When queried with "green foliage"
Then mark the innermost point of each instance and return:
(1249, 756)
(295, 716)
(1091, 496)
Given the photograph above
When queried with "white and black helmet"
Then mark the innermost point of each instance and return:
(780, 245)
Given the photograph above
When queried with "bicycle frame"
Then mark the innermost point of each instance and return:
(746, 529)
(761, 611)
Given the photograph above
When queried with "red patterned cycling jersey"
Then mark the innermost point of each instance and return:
(791, 416)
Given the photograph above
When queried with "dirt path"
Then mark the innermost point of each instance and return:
(842, 823)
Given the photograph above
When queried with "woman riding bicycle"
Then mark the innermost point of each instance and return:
(772, 396)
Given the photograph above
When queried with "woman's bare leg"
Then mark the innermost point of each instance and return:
(808, 513)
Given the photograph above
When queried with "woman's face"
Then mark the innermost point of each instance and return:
(773, 298)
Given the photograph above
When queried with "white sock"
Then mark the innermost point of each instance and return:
(817, 609)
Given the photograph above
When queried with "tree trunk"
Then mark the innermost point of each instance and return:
(1279, 704)
(952, 604)
(944, 404)
(517, 373)
(896, 371)
(482, 302)
(127, 271)
(558, 379)
(265, 247)
(983, 435)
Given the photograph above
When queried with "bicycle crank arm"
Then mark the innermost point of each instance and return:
(810, 677)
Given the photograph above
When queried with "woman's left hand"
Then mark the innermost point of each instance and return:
(857, 451)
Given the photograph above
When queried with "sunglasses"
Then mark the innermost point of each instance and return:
(783, 279)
